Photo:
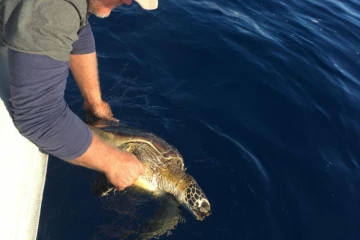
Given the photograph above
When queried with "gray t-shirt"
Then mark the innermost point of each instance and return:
(43, 27)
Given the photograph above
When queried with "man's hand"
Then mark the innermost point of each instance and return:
(100, 110)
(120, 167)
(125, 172)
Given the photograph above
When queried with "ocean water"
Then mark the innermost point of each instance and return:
(261, 98)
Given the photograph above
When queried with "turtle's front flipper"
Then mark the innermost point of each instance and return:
(101, 186)
(164, 219)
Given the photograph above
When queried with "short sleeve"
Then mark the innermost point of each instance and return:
(46, 28)
(86, 42)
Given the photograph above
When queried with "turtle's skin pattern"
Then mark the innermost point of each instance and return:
(165, 172)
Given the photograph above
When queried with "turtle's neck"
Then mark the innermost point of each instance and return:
(173, 183)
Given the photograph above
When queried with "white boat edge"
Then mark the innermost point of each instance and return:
(23, 172)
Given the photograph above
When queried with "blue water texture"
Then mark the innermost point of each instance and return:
(261, 98)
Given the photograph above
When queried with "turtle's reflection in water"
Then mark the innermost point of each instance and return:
(138, 214)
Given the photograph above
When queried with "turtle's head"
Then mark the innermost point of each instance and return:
(195, 200)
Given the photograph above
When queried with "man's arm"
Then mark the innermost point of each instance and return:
(40, 113)
(84, 66)
(121, 168)
(85, 70)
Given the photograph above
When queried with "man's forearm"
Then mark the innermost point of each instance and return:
(85, 71)
(84, 67)
(99, 156)
(120, 167)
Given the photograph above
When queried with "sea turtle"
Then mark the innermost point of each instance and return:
(165, 171)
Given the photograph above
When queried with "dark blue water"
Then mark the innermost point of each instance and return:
(262, 99)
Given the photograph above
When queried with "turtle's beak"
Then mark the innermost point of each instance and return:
(204, 211)
(202, 216)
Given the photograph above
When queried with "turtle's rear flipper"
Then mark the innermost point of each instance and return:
(101, 186)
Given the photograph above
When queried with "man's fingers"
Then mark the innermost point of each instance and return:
(113, 119)
(100, 110)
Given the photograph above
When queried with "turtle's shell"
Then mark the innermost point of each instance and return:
(148, 148)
